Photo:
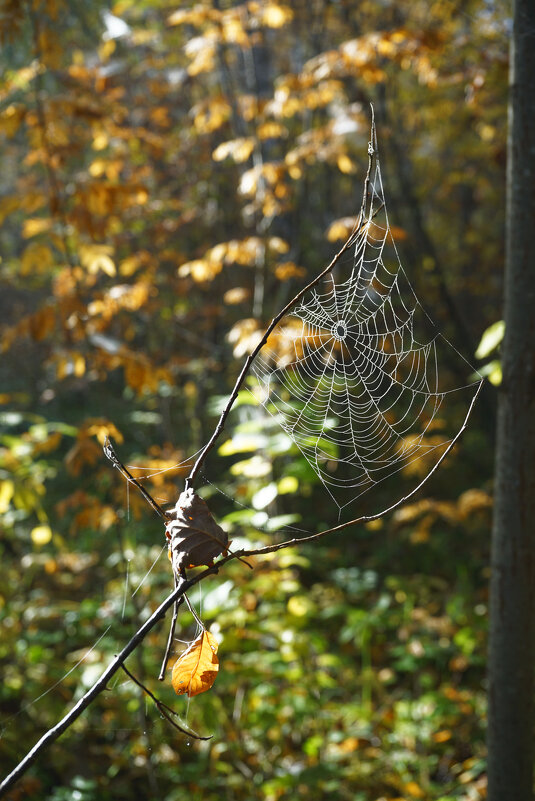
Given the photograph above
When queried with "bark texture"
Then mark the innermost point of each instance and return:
(512, 604)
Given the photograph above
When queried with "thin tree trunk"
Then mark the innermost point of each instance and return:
(512, 603)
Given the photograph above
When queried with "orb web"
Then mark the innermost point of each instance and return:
(352, 373)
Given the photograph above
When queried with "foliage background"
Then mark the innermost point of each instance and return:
(170, 177)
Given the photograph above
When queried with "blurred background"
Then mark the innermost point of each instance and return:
(170, 177)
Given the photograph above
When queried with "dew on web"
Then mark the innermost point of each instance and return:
(354, 373)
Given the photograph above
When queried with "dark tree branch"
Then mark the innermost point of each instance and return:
(177, 596)
(101, 684)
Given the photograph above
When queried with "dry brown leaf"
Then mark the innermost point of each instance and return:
(194, 536)
(195, 670)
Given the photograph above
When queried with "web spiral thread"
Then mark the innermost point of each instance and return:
(351, 377)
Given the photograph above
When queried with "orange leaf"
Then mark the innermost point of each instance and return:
(195, 670)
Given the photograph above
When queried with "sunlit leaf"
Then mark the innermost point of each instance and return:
(41, 535)
(236, 295)
(7, 489)
(341, 229)
(245, 336)
(238, 149)
(493, 371)
(255, 467)
(241, 443)
(97, 258)
(271, 130)
(278, 245)
(345, 164)
(287, 485)
(196, 669)
(274, 15)
(289, 270)
(490, 340)
(200, 269)
(264, 496)
(37, 225)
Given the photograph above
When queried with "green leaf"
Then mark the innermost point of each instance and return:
(490, 340)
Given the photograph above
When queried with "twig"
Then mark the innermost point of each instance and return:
(359, 225)
(165, 710)
(177, 595)
(112, 456)
(114, 459)
(172, 627)
(196, 617)
(109, 452)
(101, 684)
(383, 512)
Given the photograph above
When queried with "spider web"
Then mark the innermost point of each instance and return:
(352, 372)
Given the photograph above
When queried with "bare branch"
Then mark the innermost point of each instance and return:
(177, 596)
(172, 627)
(101, 684)
(112, 456)
(163, 708)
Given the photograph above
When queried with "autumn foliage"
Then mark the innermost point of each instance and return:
(171, 176)
(196, 668)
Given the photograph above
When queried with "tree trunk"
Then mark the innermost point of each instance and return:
(512, 601)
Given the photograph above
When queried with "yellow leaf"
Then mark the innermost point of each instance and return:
(42, 323)
(238, 149)
(289, 270)
(287, 484)
(345, 164)
(275, 16)
(129, 265)
(278, 245)
(233, 31)
(300, 605)
(78, 364)
(235, 295)
(11, 118)
(97, 168)
(211, 116)
(200, 270)
(100, 142)
(195, 670)
(414, 789)
(340, 229)
(8, 205)
(36, 258)
(271, 130)
(96, 258)
(295, 172)
(194, 16)
(41, 535)
(239, 444)
(36, 225)
(245, 336)
(7, 488)
(102, 429)
(107, 49)
(442, 736)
